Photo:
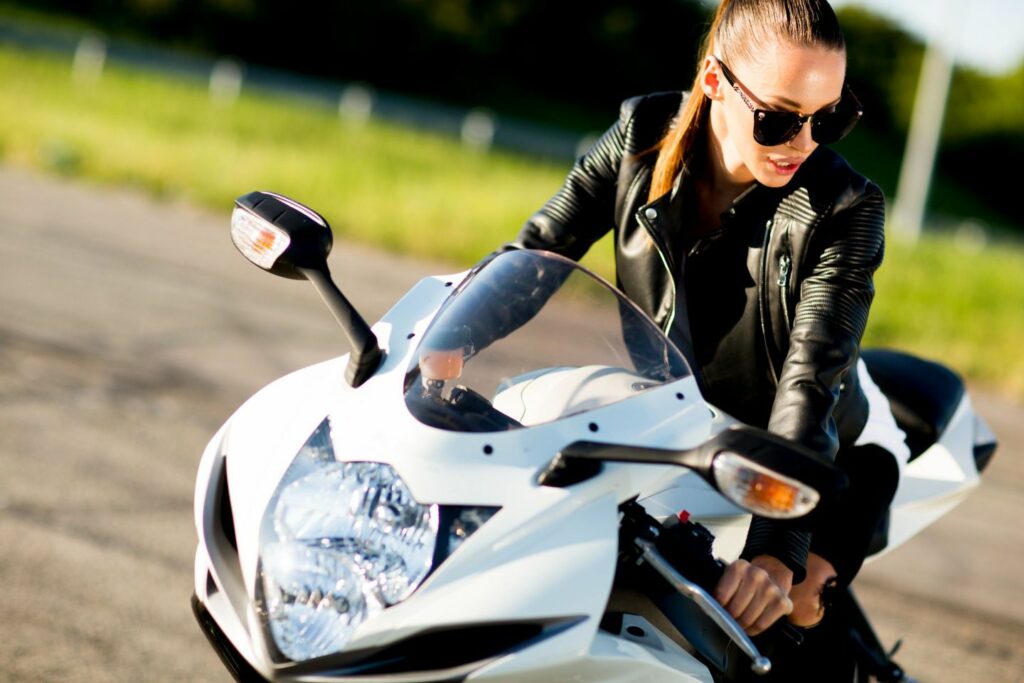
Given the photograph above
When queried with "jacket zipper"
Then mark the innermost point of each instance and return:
(785, 265)
(764, 302)
(664, 261)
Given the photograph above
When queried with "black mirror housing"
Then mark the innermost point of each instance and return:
(280, 235)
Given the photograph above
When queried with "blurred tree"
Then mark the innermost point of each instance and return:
(984, 120)
(570, 62)
(983, 104)
(983, 136)
(883, 62)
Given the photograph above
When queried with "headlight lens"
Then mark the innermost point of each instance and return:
(314, 599)
(340, 542)
(761, 490)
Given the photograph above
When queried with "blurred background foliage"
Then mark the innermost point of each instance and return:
(571, 63)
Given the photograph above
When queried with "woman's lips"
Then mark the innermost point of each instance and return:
(785, 166)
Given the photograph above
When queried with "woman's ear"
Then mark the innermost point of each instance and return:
(711, 80)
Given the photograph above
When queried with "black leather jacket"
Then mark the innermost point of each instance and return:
(815, 258)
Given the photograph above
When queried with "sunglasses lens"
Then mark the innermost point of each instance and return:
(775, 127)
(834, 126)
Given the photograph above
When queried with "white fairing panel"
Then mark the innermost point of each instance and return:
(640, 654)
(937, 480)
(931, 485)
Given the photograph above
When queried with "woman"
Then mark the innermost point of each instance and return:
(754, 246)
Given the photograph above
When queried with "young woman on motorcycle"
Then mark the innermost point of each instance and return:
(754, 245)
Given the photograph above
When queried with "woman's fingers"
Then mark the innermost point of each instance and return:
(729, 582)
(749, 592)
(751, 596)
(767, 605)
(774, 611)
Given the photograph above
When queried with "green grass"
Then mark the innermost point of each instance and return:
(427, 195)
(959, 304)
(404, 190)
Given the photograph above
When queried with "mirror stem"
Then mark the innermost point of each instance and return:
(366, 355)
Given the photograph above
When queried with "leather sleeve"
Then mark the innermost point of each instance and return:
(505, 296)
(830, 317)
(582, 211)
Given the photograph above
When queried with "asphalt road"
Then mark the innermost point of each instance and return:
(130, 329)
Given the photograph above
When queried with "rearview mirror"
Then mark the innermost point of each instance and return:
(288, 239)
(764, 473)
(280, 235)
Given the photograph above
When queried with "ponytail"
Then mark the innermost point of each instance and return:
(677, 146)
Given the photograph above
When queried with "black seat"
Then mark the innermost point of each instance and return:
(924, 395)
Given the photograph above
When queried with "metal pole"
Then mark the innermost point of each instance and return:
(925, 131)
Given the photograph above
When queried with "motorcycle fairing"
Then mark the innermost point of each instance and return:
(538, 529)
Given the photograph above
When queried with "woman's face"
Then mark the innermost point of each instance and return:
(783, 77)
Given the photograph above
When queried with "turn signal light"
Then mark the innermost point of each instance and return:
(258, 240)
(761, 490)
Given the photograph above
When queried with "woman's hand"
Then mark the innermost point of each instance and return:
(756, 593)
(808, 609)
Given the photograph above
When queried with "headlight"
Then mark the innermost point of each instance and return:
(761, 490)
(340, 542)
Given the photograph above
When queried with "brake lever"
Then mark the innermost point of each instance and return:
(760, 664)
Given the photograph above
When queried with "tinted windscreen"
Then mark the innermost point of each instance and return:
(531, 337)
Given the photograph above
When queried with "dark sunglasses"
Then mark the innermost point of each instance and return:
(773, 127)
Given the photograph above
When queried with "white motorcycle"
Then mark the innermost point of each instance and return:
(525, 509)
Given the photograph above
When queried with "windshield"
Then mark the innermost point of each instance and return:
(531, 337)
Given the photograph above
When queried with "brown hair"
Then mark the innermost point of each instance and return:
(739, 30)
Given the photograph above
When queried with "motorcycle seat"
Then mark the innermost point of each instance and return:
(924, 395)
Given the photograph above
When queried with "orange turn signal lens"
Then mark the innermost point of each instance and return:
(770, 492)
(258, 240)
(760, 490)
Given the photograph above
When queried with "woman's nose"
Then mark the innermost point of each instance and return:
(803, 142)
